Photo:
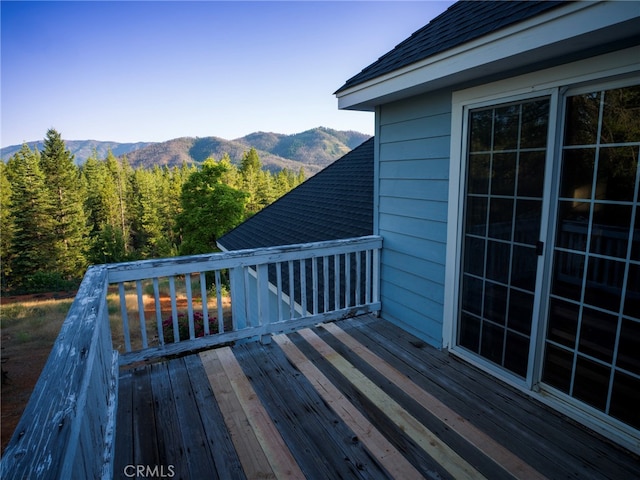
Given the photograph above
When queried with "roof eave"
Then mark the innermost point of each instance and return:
(579, 26)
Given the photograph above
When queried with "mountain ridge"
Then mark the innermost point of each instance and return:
(312, 149)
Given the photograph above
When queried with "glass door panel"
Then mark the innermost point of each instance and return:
(503, 211)
(592, 342)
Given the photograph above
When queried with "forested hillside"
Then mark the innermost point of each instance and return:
(58, 217)
(313, 149)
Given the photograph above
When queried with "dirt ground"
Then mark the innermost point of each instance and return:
(20, 370)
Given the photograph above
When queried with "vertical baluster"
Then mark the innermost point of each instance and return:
(125, 317)
(314, 284)
(376, 275)
(262, 285)
(292, 292)
(279, 289)
(204, 301)
(325, 283)
(303, 286)
(174, 308)
(218, 287)
(336, 282)
(348, 279)
(156, 297)
(187, 284)
(247, 296)
(358, 299)
(143, 323)
(367, 293)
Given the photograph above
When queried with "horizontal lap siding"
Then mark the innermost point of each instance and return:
(413, 183)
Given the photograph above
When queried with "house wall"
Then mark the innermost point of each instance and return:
(412, 177)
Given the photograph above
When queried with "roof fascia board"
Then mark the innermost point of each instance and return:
(552, 27)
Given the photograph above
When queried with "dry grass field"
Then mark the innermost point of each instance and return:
(29, 325)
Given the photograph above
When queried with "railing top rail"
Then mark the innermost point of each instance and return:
(46, 438)
(143, 269)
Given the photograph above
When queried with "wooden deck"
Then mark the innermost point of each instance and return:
(359, 398)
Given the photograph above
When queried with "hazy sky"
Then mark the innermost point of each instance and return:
(152, 71)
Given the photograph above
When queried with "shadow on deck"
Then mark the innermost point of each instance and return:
(359, 398)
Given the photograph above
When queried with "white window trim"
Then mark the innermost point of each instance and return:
(551, 81)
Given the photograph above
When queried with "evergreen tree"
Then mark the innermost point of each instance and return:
(66, 191)
(209, 209)
(32, 250)
(102, 205)
(6, 226)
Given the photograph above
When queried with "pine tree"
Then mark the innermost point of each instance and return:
(66, 190)
(32, 248)
(6, 226)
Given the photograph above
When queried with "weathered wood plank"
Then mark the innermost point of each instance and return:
(253, 459)
(45, 442)
(171, 450)
(323, 445)
(549, 442)
(143, 269)
(458, 467)
(503, 457)
(193, 437)
(384, 452)
(225, 458)
(145, 449)
(123, 454)
(278, 455)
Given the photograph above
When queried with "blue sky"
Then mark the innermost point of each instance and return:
(153, 71)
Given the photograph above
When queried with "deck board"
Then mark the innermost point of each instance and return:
(365, 400)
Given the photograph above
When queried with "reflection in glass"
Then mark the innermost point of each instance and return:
(617, 173)
(598, 334)
(610, 230)
(632, 295)
(520, 308)
(505, 123)
(528, 217)
(625, 398)
(629, 347)
(531, 174)
(481, 122)
(474, 255)
(591, 383)
(604, 283)
(472, 295)
(573, 225)
(524, 268)
(621, 115)
(469, 332)
(581, 123)
(576, 179)
(498, 261)
(556, 371)
(491, 344)
(495, 302)
(535, 122)
(516, 353)
(563, 322)
(568, 270)
(500, 218)
(476, 216)
(478, 178)
(503, 174)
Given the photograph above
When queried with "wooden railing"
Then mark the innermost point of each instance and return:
(67, 429)
(222, 297)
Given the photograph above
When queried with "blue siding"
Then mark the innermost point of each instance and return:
(412, 209)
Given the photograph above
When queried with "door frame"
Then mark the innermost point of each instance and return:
(590, 74)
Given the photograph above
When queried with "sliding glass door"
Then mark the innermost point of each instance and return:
(566, 316)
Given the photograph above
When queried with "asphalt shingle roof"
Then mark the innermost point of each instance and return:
(335, 203)
(462, 22)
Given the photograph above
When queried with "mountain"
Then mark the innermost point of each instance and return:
(82, 149)
(313, 149)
